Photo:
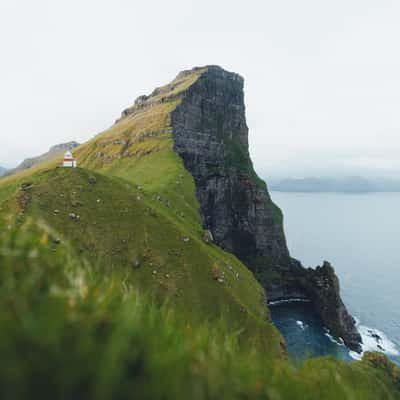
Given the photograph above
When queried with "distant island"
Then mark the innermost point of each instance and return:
(351, 184)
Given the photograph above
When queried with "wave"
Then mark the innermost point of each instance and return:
(276, 302)
(374, 340)
(338, 341)
(301, 325)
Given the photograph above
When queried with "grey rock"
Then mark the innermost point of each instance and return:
(211, 136)
(27, 186)
(136, 264)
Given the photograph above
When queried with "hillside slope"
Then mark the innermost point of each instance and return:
(116, 225)
(136, 212)
(70, 331)
(200, 116)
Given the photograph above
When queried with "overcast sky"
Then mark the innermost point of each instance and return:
(322, 78)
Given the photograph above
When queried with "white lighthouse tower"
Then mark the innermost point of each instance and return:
(69, 161)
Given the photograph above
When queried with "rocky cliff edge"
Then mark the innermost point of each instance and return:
(210, 134)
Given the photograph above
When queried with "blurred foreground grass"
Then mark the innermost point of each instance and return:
(68, 331)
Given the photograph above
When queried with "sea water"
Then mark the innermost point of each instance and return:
(360, 235)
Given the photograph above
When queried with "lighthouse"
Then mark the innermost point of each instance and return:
(69, 161)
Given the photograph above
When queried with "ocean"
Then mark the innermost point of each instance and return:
(360, 235)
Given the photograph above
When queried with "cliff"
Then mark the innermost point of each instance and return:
(199, 120)
(211, 135)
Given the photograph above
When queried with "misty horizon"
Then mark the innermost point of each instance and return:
(322, 83)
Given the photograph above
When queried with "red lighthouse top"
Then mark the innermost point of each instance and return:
(68, 156)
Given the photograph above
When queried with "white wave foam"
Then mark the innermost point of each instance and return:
(301, 324)
(275, 302)
(339, 341)
(355, 356)
(374, 340)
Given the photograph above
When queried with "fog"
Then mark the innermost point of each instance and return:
(322, 79)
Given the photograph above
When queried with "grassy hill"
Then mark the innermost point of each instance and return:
(117, 226)
(107, 265)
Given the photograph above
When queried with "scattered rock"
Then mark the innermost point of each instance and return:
(27, 186)
(375, 336)
(208, 237)
(135, 264)
(72, 215)
(186, 239)
(92, 180)
(120, 141)
(216, 273)
(56, 211)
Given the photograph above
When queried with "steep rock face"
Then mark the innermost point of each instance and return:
(322, 286)
(211, 135)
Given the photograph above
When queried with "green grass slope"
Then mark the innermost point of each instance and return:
(70, 331)
(117, 226)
